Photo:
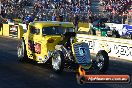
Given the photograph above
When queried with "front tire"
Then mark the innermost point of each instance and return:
(21, 51)
(58, 61)
(102, 61)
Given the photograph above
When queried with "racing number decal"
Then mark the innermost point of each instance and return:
(82, 51)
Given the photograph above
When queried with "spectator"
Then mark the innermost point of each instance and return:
(54, 17)
(76, 20)
(116, 7)
(65, 7)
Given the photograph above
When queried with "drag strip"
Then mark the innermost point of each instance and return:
(14, 74)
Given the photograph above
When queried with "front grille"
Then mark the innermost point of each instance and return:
(82, 53)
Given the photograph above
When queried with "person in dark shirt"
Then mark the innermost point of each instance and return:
(54, 17)
(61, 18)
(76, 21)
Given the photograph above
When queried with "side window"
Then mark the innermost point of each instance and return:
(37, 31)
(34, 30)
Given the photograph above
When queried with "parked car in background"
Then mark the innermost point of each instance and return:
(120, 30)
(100, 28)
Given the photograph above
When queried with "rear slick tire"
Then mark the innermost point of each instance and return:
(21, 52)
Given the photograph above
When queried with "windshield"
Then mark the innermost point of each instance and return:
(56, 30)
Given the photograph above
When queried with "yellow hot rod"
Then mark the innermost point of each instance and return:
(56, 42)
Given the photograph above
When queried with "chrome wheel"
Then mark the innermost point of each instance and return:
(100, 61)
(56, 62)
(21, 51)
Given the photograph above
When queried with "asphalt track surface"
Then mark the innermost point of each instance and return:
(14, 74)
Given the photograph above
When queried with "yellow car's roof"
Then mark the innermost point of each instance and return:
(41, 24)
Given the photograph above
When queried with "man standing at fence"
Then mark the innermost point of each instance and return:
(76, 21)
(54, 17)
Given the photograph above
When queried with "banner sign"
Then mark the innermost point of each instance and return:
(128, 27)
(83, 79)
(123, 29)
(118, 48)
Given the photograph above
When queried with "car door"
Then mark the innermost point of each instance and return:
(34, 42)
(30, 41)
(37, 38)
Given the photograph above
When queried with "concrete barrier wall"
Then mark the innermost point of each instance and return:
(84, 27)
(5, 29)
(118, 48)
(81, 24)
